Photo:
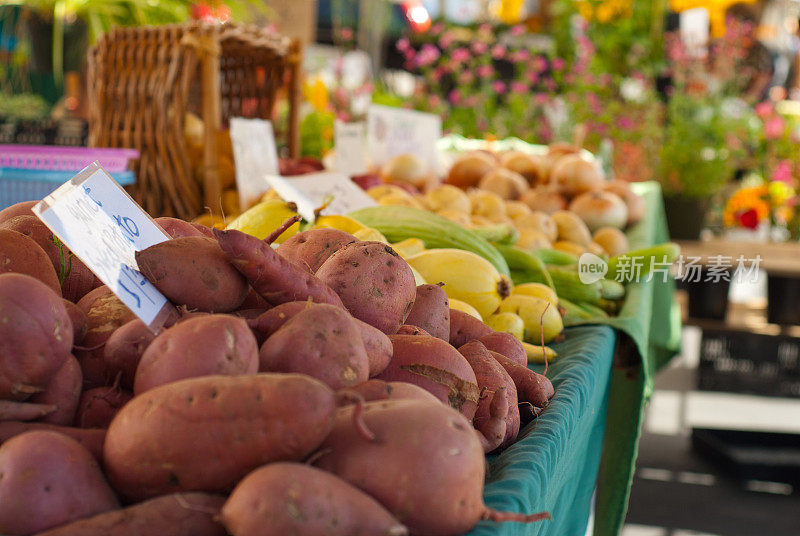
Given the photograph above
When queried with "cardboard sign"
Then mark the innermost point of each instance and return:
(394, 131)
(350, 145)
(104, 227)
(254, 155)
(311, 191)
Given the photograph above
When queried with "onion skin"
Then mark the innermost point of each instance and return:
(573, 175)
(544, 199)
(600, 209)
(468, 170)
(634, 201)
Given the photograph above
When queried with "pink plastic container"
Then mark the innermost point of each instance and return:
(48, 157)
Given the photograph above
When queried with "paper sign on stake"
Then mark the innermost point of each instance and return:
(350, 146)
(309, 192)
(254, 154)
(104, 227)
(395, 131)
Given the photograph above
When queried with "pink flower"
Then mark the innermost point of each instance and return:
(498, 51)
(454, 97)
(479, 47)
(625, 123)
(518, 29)
(518, 87)
(558, 64)
(460, 55)
(550, 84)
(533, 77)
(427, 55)
(471, 101)
(519, 56)
(402, 44)
(484, 71)
(764, 109)
(773, 128)
(434, 101)
(436, 29)
(485, 28)
(409, 55)
(465, 77)
(499, 87)
(783, 172)
(540, 98)
(446, 40)
(539, 64)
(347, 33)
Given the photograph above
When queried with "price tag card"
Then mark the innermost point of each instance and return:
(394, 131)
(350, 145)
(254, 155)
(311, 191)
(101, 224)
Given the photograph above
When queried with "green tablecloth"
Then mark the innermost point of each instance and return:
(603, 381)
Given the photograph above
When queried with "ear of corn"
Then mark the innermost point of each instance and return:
(398, 223)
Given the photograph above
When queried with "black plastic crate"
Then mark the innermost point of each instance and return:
(68, 132)
(749, 363)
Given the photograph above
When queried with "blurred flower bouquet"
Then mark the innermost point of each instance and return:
(762, 204)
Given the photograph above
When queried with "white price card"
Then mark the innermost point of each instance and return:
(101, 224)
(394, 131)
(311, 191)
(350, 146)
(254, 155)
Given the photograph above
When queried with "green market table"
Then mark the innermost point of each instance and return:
(603, 381)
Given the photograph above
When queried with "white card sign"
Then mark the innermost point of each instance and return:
(101, 224)
(310, 191)
(394, 131)
(350, 146)
(254, 154)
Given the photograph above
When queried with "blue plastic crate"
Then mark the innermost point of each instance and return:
(17, 185)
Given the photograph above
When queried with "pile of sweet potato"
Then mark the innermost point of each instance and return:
(306, 389)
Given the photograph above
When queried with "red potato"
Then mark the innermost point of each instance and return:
(97, 407)
(431, 311)
(506, 344)
(310, 249)
(11, 410)
(435, 366)
(78, 320)
(179, 514)
(91, 439)
(492, 378)
(292, 498)
(193, 271)
(21, 254)
(531, 387)
(375, 284)
(176, 228)
(35, 229)
(201, 346)
(206, 434)
(321, 341)
(465, 328)
(124, 349)
(35, 335)
(20, 209)
(425, 466)
(381, 390)
(49, 479)
(62, 391)
(105, 313)
(275, 278)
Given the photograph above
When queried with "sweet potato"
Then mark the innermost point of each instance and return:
(105, 313)
(97, 407)
(91, 439)
(373, 281)
(201, 346)
(291, 498)
(435, 366)
(176, 228)
(425, 466)
(49, 479)
(408, 329)
(20, 209)
(321, 341)
(492, 377)
(179, 514)
(431, 311)
(124, 348)
(79, 281)
(78, 320)
(35, 229)
(63, 391)
(11, 410)
(465, 328)
(310, 249)
(254, 300)
(35, 335)
(207, 433)
(21, 254)
(531, 386)
(275, 278)
(205, 230)
(381, 390)
(506, 344)
(193, 271)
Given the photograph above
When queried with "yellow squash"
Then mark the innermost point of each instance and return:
(263, 218)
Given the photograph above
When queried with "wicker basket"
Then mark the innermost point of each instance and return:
(142, 81)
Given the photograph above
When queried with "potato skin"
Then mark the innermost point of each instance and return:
(431, 311)
(531, 387)
(78, 319)
(176, 228)
(380, 390)
(91, 439)
(63, 391)
(310, 249)
(321, 341)
(184, 514)
(506, 344)
(413, 438)
(49, 479)
(97, 407)
(375, 284)
(193, 271)
(200, 346)
(205, 434)
(20, 209)
(35, 229)
(465, 328)
(35, 335)
(21, 254)
(124, 349)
